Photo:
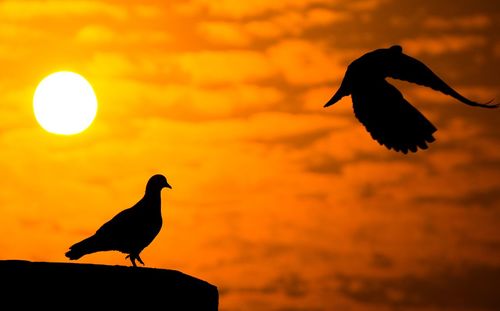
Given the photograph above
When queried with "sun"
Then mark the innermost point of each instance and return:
(64, 103)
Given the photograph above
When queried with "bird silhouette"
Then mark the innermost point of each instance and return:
(381, 108)
(131, 230)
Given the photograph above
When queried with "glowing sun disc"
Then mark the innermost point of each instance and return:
(64, 103)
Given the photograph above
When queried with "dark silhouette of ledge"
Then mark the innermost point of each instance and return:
(77, 286)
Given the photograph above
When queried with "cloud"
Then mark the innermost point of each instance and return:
(236, 9)
(302, 62)
(382, 261)
(225, 67)
(224, 102)
(458, 130)
(228, 33)
(469, 287)
(148, 11)
(496, 50)
(113, 64)
(470, 22)
(291, 23)
(442, 44)
(294, 23)
(95, 34)
(365, 5)
(182, 102)
(482, 198)
(108, 66)
(322, 17)
(284, 125)
(263, 29)
(238, 100)
(100, 34)
(313, 99)
(30, 9)
(253, 130)
(18, 32)
(292, 284)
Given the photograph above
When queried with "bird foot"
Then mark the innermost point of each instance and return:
(133, 258)
(140, 260)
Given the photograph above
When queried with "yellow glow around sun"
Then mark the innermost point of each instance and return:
(64, 103)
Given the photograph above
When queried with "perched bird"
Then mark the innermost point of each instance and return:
(131, 230)
(381, 108)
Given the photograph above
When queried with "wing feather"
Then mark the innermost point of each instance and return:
(389, 118)
(407, 68)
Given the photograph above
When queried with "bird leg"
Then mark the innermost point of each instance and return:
(140, 260)
(133, 258)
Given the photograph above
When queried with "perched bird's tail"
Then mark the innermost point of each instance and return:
(87, 246)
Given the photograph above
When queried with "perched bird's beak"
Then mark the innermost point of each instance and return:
(168, 186)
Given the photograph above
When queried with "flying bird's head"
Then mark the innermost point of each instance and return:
(156, 183)
(397, 49)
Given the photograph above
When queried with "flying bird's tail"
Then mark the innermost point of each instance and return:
(87, 246)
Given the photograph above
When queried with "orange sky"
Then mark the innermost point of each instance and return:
(282, 204)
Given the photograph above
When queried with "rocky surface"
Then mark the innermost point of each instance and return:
(77, 286)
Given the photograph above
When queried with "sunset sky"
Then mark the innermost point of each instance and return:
(279, 202)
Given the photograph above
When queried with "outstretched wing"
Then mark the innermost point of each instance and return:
(389, 118)
(409, 69)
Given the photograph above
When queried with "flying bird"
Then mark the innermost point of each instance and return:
(131, 230)
(381, 108)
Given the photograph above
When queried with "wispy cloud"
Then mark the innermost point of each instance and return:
(58, 8)
(439, 289)
(278, 25)
(437, 45)
(302, 62)
(226, 33)
(470, 22)
(232, 66)
(232, 9)
(103, 35)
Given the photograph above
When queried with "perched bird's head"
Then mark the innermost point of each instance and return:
(156, 183)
